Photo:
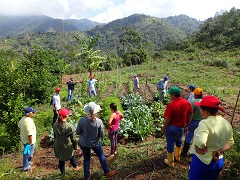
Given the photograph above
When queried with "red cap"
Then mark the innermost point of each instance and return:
(64, 112)
(58, 89)
(210, 101)
(91, 77)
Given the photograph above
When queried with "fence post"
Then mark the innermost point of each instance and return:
(145, 92)
(235, 107)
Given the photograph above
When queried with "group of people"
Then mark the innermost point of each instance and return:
(205, 130)
(90, 129)
(207, 133)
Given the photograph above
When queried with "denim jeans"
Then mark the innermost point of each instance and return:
(199, 170)
(27, 158)
(191, 127)
(173, 135)
(93, 91)
(61, 164)
(99, 152)
(70, 92)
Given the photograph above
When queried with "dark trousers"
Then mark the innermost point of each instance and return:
(55, 117)
(61, 164)
(113, 134)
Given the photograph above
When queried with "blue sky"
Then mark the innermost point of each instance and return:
(105, 11)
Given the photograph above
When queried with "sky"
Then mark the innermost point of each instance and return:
(104, 11)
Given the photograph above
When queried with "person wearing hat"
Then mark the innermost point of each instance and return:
(91, 87)
(162, 88)
(135, 81)
(191, 88)
(56, 104)
(178, 113)
(90, 130)
(65, 141)
(197, 117)
(71, 85)
(27, 136)
(212, 137)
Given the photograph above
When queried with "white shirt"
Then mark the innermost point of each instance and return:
(56, 100)
(91, 84)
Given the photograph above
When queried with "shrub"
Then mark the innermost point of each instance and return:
(131, 100)
(105, 112)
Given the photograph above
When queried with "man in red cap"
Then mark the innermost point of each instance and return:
(91, 88)
(56, 104)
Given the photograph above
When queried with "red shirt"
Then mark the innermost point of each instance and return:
(177, 111)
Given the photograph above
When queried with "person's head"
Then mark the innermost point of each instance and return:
(198, 93)
(209, 106)
(57, 90)
(113, 107)
(71, 78)
(165, 78)
(135, 75)
(174, 91)
(92, 109)
(63, 115)
(91, 77)
(29, 111)
(191, 87)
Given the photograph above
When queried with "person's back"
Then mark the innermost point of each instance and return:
(90, 131)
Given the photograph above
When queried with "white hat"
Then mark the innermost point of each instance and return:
(92, 106)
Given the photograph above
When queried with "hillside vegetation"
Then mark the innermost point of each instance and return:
(31, 68)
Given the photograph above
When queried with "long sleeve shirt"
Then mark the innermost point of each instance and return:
(213, 133)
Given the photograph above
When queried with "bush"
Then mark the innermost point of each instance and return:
(131, 100)
(105, 112)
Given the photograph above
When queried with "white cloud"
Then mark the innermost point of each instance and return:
(108, 10)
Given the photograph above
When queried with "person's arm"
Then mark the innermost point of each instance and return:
(166, 124)
(55, 108)
(121, 115)
(30, 139)
(112, 116)
(101, 130)
(79, 129)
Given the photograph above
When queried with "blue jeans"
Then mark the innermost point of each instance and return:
(199, 170)
(191, 128)
(99, 152)
(27, 158)
(173, 135)
(70, 92)
(93, 91)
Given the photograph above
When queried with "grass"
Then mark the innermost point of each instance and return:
(135, 161)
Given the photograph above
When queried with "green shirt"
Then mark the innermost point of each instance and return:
(196, 110)
(213, 133)
(65, 140)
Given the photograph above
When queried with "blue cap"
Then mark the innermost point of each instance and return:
(29, 109)
(191, 87)
(135, 75)
(166, 78)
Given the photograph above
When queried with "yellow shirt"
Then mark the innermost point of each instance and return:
(27, 127)
(213, 133)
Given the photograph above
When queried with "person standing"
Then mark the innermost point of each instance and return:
(90, 130)
(197, 117)
(56, 104)
(162, 87)
(28, 136)
(212, 137)
(65, 141)
(91, 87)
(178, 113)
(191, 88)
(71, 85)
(113, 126)
(135, 83)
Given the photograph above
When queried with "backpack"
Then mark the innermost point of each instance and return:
(51, 100)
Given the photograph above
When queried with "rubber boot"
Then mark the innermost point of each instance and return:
(185, 149)
(177, 153)
(170, 159)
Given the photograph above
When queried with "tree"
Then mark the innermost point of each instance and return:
(130, 47)
(88, 56)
